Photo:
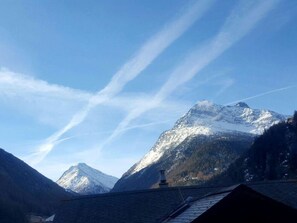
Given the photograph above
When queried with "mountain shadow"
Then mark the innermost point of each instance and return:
(25, 191)
(273, 156)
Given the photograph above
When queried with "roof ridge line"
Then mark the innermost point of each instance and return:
(154, 190)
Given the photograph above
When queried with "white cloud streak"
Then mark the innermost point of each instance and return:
(263, 94)
(143, 58)
(225, 84)
(19, 85)
(40, 99)
(237, 25)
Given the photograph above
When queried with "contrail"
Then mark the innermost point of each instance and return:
(143, 58)
(262, 94)
(236, 26)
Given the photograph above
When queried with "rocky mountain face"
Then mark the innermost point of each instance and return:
(201, 144)
(273, 156)
(84, 179)
(23, 190)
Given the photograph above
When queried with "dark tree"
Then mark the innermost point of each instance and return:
(294, 122)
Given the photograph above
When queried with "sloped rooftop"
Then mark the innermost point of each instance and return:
(244, 197)
(154, 205)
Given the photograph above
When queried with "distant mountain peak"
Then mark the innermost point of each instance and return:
(204, 104)
(82, 167)
(242, 104)
(84, 179)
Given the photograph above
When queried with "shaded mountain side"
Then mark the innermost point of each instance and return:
(194, 161)
(273, 156)
(23, 190)
(202, 161)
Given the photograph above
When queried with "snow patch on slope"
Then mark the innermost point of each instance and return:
(168, 140)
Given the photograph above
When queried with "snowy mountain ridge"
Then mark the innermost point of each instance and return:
(84, 179)
(207, 118)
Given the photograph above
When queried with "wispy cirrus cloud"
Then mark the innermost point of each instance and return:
(241, 21)
(50, 103)
(143, 58)
(263, 94)
(20, 85)
(224, 85)
(41, 98)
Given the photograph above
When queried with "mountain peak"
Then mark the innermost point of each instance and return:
(204, 104)
(242, 104)
(209, 119)
(84, 179)
(81, 166)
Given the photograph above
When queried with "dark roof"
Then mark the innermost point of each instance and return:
(282, 191)
(135, 206)
(155, 205)
(242, 195)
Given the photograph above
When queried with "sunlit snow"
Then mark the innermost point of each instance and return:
(206, 118)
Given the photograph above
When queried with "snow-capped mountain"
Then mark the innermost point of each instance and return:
(84, 179)
(206, 118)
(203, 122)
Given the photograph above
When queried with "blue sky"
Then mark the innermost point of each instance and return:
(99, 81)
